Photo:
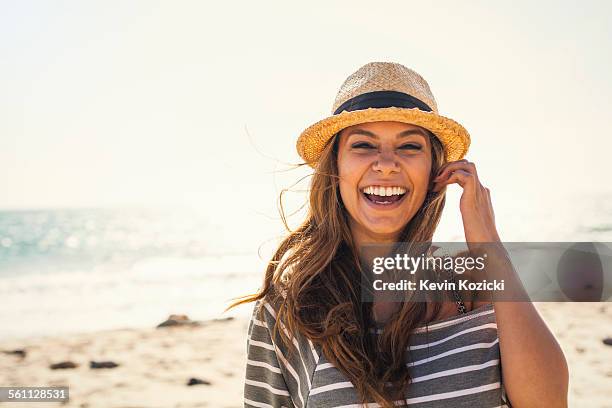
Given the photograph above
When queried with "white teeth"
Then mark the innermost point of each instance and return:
(384, 191)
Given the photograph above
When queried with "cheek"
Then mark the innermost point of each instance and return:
(419, 171)
(424, 174)
(349, 171)
(348, 184)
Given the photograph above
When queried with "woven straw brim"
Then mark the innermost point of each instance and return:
(454, 137)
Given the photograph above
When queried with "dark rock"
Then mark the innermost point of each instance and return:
(102, 364)
(224, 319)
(197, 381)
(17, 352)
(178, 320)
(63, 365)
(607, 341)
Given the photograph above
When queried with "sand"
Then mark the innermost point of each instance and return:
(155, 364)
(580, 329)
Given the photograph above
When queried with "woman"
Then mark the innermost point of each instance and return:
(382, 162)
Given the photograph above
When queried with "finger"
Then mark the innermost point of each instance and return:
(445, 165)
(464, 165)
(456, 165)
(488, 193)
(461, 177)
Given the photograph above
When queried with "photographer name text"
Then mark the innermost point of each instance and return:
(427, 285)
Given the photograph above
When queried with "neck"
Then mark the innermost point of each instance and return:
(362, 236)
(382, 309)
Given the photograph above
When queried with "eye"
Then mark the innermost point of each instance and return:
(362, 145)
(411, 146)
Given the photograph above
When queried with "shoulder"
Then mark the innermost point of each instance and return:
(268, 313)
(473, 299)
(263, 327)
(295, 351)
(265, 311)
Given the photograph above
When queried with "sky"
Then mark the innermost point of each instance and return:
(192, 103)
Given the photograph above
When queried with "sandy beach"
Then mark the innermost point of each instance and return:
(156, 364)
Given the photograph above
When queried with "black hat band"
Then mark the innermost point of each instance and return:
(382, 99)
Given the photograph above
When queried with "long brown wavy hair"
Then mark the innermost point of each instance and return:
(317, 269)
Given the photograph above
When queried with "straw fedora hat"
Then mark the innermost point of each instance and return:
(384, 91)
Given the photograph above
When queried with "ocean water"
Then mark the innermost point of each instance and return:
(66, 271)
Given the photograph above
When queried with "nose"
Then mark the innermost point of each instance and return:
(386, 163)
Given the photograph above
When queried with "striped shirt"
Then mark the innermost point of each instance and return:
(454, 362)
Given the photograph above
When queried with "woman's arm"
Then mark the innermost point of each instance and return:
(534, 369)
(278, 374)
(264, 381)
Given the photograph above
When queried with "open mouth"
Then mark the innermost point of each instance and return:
(384, 196)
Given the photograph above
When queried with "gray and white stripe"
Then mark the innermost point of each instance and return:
(454, 362)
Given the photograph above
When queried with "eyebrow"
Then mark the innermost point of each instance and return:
(405, 133)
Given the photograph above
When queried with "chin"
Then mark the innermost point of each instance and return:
(384, 228)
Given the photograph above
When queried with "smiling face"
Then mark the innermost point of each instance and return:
(385, 170)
